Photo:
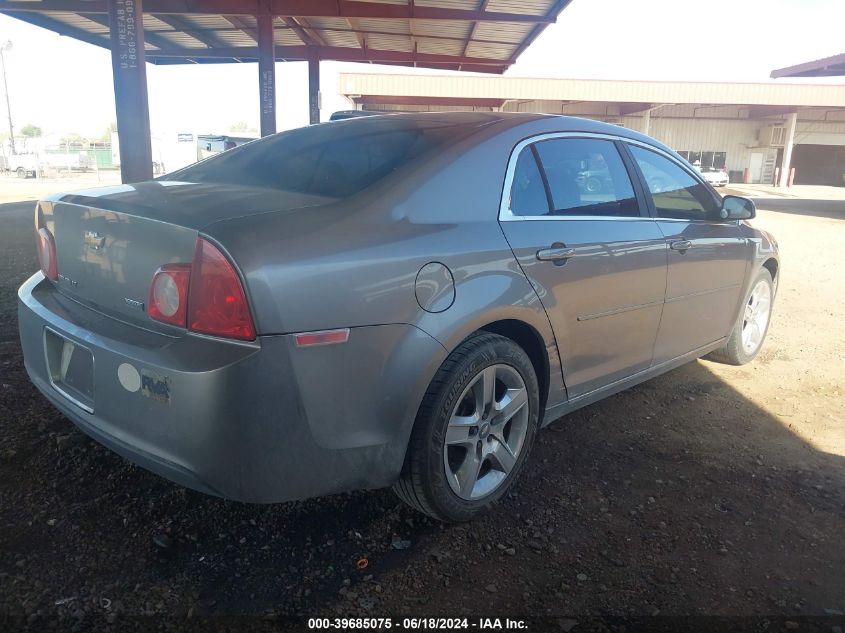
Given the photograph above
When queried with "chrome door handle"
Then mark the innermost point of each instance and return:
(555, 254)
(680, 245)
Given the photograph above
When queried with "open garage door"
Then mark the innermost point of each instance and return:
(819, 164)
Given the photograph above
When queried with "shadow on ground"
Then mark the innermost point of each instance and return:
(834, 209)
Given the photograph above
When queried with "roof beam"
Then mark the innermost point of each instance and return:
(59, 27)
(307, 36)
(357, 31)
(337, 53)
(554, 10)
(482, 6)
(290, 8)
(360, 34)
(150, 37)
(179, 24)
(241, 25)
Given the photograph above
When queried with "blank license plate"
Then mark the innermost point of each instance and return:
(71, 368)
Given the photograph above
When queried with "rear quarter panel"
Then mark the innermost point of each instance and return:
(355, 263)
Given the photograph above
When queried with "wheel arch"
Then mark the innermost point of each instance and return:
(771, 265)
(531, 341)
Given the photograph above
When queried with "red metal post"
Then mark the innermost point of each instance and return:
(267, 74)
(126, 30)
(791, 177)
(314, 90)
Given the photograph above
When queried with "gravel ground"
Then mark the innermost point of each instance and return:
(709, 490)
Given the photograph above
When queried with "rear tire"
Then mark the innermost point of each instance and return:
(752, 324)
(479, 415)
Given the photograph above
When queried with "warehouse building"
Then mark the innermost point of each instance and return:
(749, 129)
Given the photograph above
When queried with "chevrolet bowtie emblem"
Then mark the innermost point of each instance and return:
(94, 240)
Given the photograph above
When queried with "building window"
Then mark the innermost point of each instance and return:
(707, 160)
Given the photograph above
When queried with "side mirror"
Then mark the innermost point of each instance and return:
(737, 208)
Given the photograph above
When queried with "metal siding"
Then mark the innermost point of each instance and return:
(385, 26)
(491, 51)
(205, 21)
(390, 42)
(526, 88)
(287, 37)
(820, 133)
(512, 32)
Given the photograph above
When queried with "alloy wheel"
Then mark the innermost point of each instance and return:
(755, 319)
(486, 432)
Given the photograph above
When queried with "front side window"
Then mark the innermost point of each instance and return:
(675, 192)
(586, 176)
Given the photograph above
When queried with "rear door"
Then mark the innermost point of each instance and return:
(578, 226)
(707, 256)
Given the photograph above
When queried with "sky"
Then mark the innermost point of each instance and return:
(65, 86)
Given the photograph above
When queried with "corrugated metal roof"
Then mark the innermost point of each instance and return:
(478, 35)
(635, 93)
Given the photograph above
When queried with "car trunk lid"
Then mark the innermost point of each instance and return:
(110, 241)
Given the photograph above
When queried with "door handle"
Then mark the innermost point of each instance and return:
(555, 254)
(680, 245)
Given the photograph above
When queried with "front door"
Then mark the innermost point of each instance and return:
(755, 168)
(707, 257)
(597, 263)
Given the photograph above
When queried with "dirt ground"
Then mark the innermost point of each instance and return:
(710, 490)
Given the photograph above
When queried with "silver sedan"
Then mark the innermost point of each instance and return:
(397, 300)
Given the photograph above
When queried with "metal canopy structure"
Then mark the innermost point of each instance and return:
(471, 35)
(828, 67)
(468, 35)
(622, 98)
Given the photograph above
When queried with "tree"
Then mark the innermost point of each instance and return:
(240, 126)
(106, 135)
(71, 137)
(31, 131)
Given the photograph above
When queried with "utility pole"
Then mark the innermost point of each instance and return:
(6, 47)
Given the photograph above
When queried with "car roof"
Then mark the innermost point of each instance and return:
(499, 121)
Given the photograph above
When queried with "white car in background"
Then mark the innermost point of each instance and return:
(715, 176)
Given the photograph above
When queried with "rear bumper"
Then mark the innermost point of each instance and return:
(261, 422)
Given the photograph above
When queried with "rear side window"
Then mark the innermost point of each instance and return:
(586, 176)
(334, 160)
(675, 192)
(528, 193)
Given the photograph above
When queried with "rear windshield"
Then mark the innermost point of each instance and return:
(334, 160)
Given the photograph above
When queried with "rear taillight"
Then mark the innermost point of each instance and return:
(46, 244)
(216, 302)
(205, 296)
(169, 294)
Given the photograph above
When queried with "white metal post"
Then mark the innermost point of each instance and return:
(5, 47)
(791, 122)
(646, 120)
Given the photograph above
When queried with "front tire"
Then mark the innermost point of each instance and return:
(752, 324)
(473, 431)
